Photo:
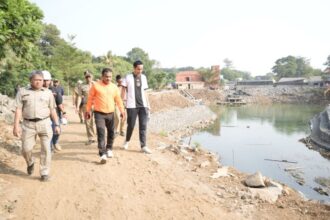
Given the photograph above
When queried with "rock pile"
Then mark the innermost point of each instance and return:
(282, 94)
(181, 121)
(6, 109)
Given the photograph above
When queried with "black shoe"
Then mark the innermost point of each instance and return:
(122, 133)
(44, 178)
(30, 169)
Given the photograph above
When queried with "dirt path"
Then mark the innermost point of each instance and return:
(132, 185)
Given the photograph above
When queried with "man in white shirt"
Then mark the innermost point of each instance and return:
(137, 104)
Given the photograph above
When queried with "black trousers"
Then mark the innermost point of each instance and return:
(142, 113)
(104, 121)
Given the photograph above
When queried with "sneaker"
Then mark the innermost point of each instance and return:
(30, 169)
(125, 146)
(44, 178)
(57, 147)
(109, 154)
(122, 133)
(103, 159)
(146, 150)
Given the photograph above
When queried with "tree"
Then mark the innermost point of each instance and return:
(291, 66)
(210, 77)
(139, 54)
(108, 59)
(20, 30)
(228, 63)
(285, 67)
(121, 66)
(232, 74)
(269, 76)
(20, 26)
(327, 64)
(159, 79)
(50, 39)
(69, 62)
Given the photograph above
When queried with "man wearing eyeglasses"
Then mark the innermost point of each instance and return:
(83, 91)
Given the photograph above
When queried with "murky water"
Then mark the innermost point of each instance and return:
(245, 136)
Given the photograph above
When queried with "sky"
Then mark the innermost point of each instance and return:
(253, 34)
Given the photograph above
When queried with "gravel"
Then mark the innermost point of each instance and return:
(180, 118)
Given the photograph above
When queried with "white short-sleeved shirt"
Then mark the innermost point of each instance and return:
(128, 82)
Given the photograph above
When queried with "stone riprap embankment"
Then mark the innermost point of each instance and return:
(7, 109)
(282, 94)
(181, 121)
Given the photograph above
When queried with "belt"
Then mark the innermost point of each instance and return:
(103, 113)
(35, 119)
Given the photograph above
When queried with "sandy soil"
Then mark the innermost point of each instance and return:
(132, 185)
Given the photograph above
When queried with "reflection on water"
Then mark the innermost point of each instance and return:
(245, 136)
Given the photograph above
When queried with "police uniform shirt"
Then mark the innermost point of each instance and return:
(35, 104)
(83, 91)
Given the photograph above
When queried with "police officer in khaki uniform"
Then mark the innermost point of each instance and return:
(77, 101)
(35, 105)
(83, 91)
(119, 122)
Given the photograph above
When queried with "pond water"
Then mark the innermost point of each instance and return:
(245, 136)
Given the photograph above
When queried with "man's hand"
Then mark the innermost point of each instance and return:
(17, 131)
(57, 130)
(87, 115)
(123, 116)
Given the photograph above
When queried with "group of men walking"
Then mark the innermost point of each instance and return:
(41, 108)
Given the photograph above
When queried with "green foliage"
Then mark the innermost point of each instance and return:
(13, 71)
(121, 66)
(327, 63)
(163, 133)
(139, 54)
(20, 29)
(291, 66)
(197, 145)
(269, 76)
(20, 26)
(232, 74)
(26, 44)
(68, 62)
(158, 79)
(50, 39)
(210, 77)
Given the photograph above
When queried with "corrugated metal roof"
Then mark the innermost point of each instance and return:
(315, 79)
(290, 79)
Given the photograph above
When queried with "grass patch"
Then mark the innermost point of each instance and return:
(163, 133)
